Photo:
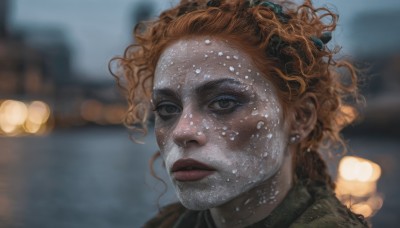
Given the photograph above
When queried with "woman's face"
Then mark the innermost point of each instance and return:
(219, 123)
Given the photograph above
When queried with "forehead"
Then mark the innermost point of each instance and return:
(200, 59)
(192, 48)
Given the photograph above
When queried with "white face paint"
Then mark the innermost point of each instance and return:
(221, 112)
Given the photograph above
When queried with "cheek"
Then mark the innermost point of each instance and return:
(257, 134)
(161, 136)
(245, 131)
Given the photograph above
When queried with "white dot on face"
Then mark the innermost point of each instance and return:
(236, 57)
(207, 41)
(197, 71)
(260, 124)
(228, 57)
(220, 53)
(231, 69)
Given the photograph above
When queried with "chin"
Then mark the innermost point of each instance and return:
(202, 200)
(200, 204)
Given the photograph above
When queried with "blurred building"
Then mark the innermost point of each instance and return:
(35, 65)
(3, 17)
(376, 40)
(376, 45)
(22, 67)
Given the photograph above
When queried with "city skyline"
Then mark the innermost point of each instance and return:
(99, 30)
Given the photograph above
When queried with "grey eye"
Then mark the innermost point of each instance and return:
(167, 110)
(224, 104)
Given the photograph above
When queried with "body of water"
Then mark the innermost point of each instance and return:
(97, 177)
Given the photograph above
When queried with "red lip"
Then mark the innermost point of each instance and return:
(190, 170)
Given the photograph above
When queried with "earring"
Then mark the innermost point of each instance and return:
(294, 138)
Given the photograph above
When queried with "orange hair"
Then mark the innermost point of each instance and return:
(282, 49)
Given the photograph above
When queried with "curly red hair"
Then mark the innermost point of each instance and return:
(285, 50)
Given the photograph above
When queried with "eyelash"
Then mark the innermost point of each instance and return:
(233, 103)
(162, 106)
(214, 106)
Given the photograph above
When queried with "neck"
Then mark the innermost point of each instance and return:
(257, 203)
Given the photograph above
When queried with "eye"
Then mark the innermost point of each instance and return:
(224, 104)
(167, 110)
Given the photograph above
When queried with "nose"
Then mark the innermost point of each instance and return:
(188, 132)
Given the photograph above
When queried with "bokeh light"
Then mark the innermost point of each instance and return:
(18, 118)
(356, 185)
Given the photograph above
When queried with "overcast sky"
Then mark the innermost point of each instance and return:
(97, 30)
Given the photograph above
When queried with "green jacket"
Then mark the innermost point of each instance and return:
(306, 205)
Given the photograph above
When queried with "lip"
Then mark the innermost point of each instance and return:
(186, 170)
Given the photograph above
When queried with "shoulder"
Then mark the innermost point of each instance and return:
(327, 211)
(166, 217)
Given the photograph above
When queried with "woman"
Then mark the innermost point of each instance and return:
(244, 94)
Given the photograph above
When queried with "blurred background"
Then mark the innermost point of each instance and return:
(65, 159)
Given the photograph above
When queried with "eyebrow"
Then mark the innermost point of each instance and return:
(204, 88)
(166, 92)
(216, 84)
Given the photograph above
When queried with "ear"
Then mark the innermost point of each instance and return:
(304, 117)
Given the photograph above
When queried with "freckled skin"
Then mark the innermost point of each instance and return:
(244, 156)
